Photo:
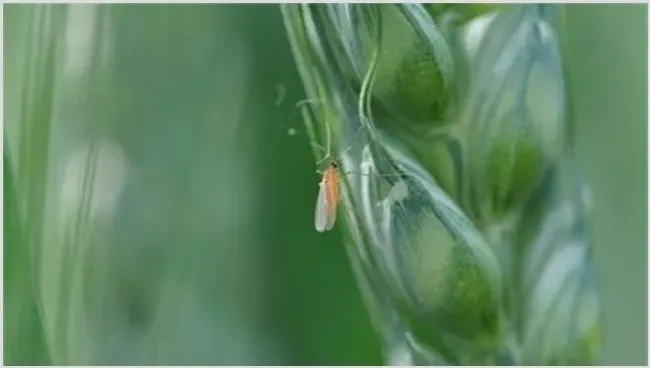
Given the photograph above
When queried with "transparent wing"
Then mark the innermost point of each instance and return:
(323, 220)
(331, 214)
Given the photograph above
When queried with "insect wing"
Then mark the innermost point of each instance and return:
(331, 215)
(325, 214)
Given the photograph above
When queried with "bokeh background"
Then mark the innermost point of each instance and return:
(157, 211)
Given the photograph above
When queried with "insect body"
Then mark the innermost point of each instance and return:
(329, 191)
(328, 199)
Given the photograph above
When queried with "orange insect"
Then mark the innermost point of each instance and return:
(328, 198)
(328, 194)
(329, 191)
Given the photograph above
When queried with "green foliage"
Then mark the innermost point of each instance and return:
(155, 213)
(27, 342)
(472, 155)
(150, 200)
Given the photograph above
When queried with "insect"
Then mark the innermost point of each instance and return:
(328, 198)
(329, 191)
(330, 184)
(329, 195)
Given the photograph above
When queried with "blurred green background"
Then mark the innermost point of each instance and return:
(157, 211)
